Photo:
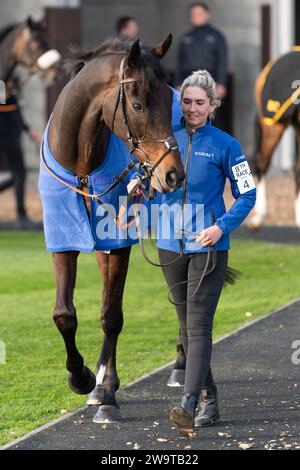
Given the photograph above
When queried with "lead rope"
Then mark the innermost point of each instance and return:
(211, 255)
(142, 246)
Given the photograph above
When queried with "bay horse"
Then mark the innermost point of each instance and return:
(25, 44)
(277, 92)
(118, 86)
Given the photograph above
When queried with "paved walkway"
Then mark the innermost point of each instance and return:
(259, 392)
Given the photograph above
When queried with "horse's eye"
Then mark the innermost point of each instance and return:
(137, 106)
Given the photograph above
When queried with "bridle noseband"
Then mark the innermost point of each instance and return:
(146, 168)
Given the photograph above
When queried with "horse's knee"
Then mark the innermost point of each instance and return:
(112, 318)
(65, 319)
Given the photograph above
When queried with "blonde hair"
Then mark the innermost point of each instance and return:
(204, 80)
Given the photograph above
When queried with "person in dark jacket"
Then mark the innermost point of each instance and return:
(11, 127)
(203, 47)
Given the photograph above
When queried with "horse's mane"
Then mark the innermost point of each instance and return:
(149, 65)
(6, 30)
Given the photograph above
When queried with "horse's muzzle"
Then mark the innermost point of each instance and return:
(174, 179)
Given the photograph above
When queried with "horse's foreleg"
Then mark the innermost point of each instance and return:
(267, 138)
(114, 270)
(81, 379)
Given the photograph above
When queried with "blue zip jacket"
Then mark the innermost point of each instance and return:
(213, 157)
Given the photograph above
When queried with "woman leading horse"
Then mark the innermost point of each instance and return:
(117, 87)
(193, 244)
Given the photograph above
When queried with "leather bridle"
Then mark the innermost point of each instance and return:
(146, 168)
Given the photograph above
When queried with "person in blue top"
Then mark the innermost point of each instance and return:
(191, 221)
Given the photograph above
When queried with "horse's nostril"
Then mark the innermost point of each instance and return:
(172, 179)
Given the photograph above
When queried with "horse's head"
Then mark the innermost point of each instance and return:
(32, 51)
(139, 111)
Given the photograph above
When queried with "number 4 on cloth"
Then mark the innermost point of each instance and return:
(243, 177)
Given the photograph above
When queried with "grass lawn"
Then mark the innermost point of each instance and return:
(33, 387)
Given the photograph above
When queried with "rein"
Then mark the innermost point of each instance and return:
(211, 257)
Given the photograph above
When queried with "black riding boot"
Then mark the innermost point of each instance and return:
(209, 409)
(184, 415)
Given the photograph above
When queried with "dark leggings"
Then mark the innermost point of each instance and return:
(11, 148)
(195, 317)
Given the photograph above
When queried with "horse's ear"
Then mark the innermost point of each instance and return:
(162, 48)
(134, 54)
(29, 22)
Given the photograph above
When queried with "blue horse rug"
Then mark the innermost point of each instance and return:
(67, 225)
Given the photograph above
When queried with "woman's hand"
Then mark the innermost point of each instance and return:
(209, 236)
(132, 184)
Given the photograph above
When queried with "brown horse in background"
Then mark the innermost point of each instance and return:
(277, 93)
(26, 44)
(86, 111)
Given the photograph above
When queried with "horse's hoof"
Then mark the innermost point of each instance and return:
(176, 378)
(96, 396)
(85, 384)
(107, 414)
